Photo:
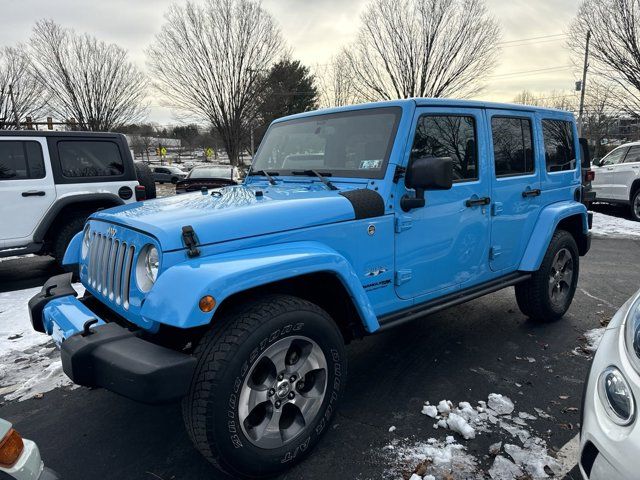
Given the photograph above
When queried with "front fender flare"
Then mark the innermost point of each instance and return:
(72, 253)
(174, 298)
(544, 228)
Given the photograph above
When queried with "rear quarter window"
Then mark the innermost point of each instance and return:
(559, 145)
(79, 159)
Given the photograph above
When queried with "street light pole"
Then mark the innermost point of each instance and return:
(584, 81)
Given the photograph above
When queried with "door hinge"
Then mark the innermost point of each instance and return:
(496, 209)
(403, 276)
(403, 222)
(397, 175)
(494, 252)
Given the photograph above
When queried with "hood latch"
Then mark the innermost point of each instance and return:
(190, 241)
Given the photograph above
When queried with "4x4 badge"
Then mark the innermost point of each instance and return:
(112, 232)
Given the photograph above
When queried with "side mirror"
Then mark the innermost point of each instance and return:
(586, 155)
(597, 162)
(426, 173)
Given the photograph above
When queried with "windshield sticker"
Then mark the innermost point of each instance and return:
(370, 164)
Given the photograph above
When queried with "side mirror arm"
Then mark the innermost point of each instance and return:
(408, 203)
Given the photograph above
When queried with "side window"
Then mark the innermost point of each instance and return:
(21, 160)
(448, 136)
(560, 150)
(614, 157)
(633, 155)
(90, 159)
(512, 146)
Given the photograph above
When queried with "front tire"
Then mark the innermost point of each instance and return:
(635, 206)
(548, 294)
(269, 377)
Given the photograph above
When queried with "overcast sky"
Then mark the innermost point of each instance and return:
(315, 31)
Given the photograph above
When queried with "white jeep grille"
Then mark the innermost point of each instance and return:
(110, 262)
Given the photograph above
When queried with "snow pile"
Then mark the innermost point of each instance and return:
(592, 342)
(524, 456)
(29, 362)
(607, 225)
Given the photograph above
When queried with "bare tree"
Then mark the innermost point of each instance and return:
(336, 84)
(87, 79)
(209, 60)
(422, 48)
(614, 48)
(557, 99)
(28, 94)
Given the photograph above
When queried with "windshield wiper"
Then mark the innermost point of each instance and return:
(264, 173)
(315, 173)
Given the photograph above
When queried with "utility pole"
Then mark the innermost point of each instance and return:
(13, 103)
(584, 81)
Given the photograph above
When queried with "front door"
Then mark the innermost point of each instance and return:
(515, 188)
(604, 184)
(27, 189)
(625, 173)
(444, 245)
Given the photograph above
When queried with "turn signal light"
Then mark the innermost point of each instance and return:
(11, 447)
(207, 303)
(589, 175)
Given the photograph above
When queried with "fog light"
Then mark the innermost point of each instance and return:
(617, 397)
(207, 303)
(11, 447)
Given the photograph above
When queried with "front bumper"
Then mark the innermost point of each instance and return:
(607, 450)
(29, 466)
(96, 353)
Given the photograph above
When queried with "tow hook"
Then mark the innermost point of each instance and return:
(86, 328)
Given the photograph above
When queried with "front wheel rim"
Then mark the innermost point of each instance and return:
(283, 392)
(636, 205)
(561, 277)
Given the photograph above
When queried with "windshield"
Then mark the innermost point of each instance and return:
(207, 172)
(346, 144)
(175, 170)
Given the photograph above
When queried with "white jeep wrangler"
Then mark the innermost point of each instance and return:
(50, 182)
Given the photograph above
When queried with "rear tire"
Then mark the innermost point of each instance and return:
(69, 228)
(240, 414)
(145, 178)
(635, 206)
(547, 295)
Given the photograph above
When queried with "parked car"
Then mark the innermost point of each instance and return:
(168, 174)
(617, 178)
(353, 220)
(610, 434)
(208, 177)
(19, 457)
(50, 182)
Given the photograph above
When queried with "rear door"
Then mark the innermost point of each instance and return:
(625, 173)
(515, 185)
(27, 189)
(444, 244)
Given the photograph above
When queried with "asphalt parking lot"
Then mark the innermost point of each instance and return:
(462, 354)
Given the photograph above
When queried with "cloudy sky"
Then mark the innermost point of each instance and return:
(315, 31)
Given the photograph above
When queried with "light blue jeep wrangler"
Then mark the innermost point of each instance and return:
(353, 220)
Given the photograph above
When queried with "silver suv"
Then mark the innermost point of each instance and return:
(617, 178)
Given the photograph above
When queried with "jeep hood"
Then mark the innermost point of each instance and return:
(232, 213)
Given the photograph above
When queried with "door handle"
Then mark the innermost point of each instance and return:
(531, 193)
(33, 193)
(476, 202)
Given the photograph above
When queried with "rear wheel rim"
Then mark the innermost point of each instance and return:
(636, 206)
(561, 277)
(283, 392)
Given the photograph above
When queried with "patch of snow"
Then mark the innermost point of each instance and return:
(526, 416)
(606, 225)
(459, 425)
(444, 406)
(542, 414)
(533, 457)
(430, 411)
(500, 404)
(592, 338)
(29, 362)
(392, 428)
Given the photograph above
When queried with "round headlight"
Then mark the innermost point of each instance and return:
(617, 396)
(147, 268)
(86, 241)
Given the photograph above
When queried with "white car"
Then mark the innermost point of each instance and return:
(610, 433)
(19, 457)
(617, 178)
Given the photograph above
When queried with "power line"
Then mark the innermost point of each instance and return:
(529, 72)
(532, 38)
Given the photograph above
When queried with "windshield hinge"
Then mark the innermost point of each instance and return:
(190, 241)
(400, 171)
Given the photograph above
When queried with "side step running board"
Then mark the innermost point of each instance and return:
(450, 300)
